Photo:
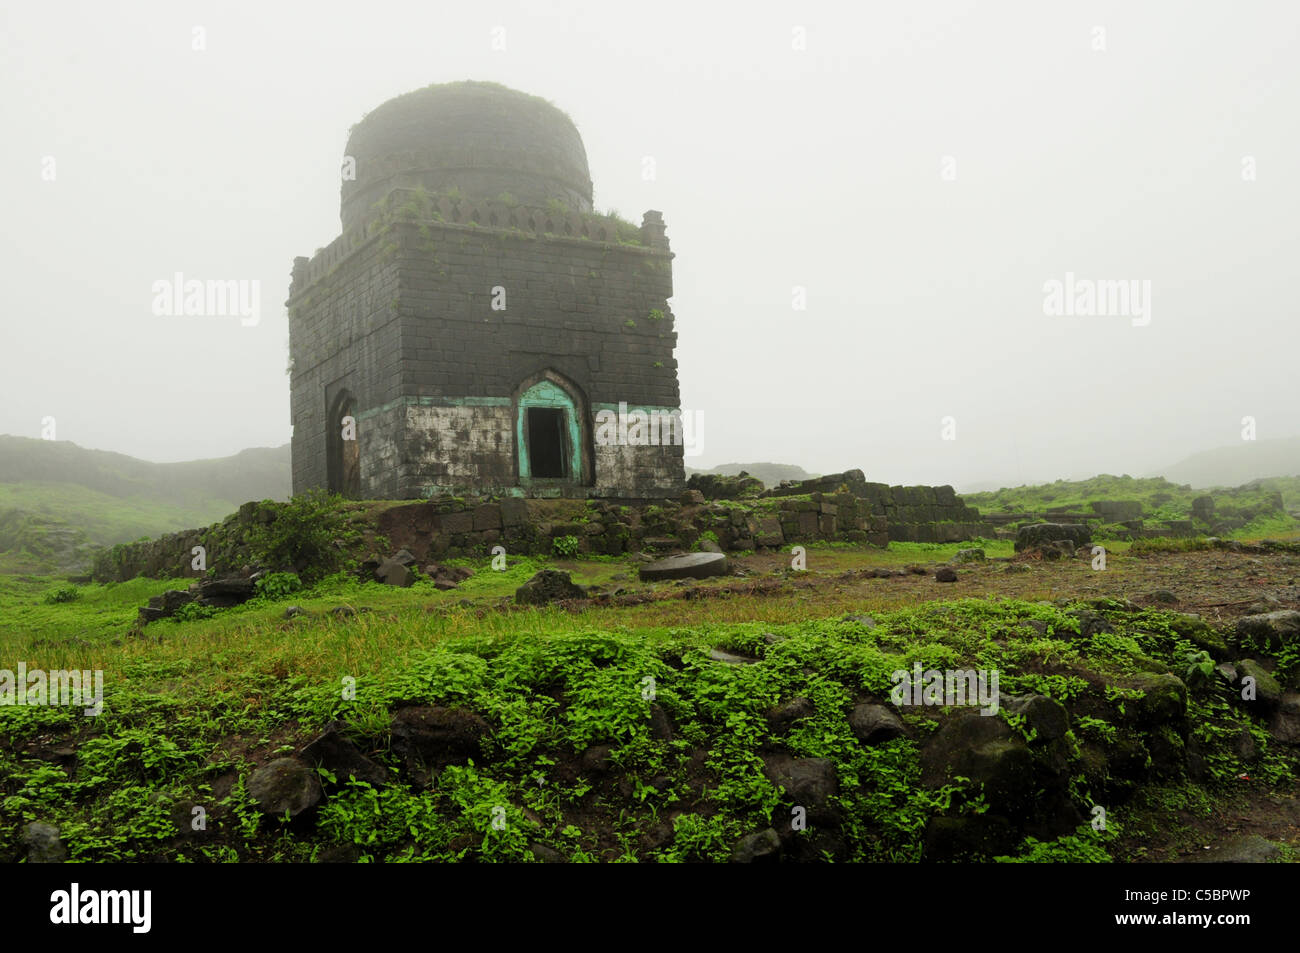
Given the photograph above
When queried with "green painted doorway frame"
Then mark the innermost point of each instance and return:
(546, 393)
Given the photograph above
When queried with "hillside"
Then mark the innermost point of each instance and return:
(58, 500)
(1161, 499)
(1241, 463)
(770, 473)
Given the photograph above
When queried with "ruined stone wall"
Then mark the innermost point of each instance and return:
(456, 526)
(923, 514)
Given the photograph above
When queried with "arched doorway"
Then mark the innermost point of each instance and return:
(550, 432)
(344, 465)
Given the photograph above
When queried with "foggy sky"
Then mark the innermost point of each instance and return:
(776, 167)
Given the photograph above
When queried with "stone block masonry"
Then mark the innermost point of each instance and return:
(922, 514)
(475, 314)
(471, 526)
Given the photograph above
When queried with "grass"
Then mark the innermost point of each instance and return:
(190, 707)
(1160, 498)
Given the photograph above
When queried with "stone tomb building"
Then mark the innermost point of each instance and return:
(475, 314)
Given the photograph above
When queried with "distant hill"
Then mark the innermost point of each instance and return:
(1264, 504)
(770, 473)
(59, 500)
(1241, 463)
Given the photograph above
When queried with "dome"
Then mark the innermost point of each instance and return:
(482, 139)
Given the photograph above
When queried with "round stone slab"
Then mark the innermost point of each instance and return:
(686, 566)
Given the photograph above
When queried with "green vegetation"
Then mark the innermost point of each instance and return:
(1160, 498)
(191, 708)
(1254, 511)
(309, 534)
(58, 501)
(565, 546)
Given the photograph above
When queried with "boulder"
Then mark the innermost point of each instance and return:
(432, 733)
(173, 599)
(1045, 716)
(758, 848)
(227, 592)
(987, 751)
(1037, 534)
(808, 783)
(1285, 724)
(946, 574)
(874, 724)
(1090, 622)
(1268, 692)
(661, 726)
(446, 578)
(546, 855)
(549, 585)
(1197, 631)
(44, 843)
(686, 566)
(332, 751)
(781, 717)
(1164, 700)
(769, 532)
(1271, 629)
(968, 837)
(285, 786)
(393, 573)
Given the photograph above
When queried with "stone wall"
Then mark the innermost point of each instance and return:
(456, 526)
(925, 514)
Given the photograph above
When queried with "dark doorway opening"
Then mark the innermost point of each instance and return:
(546, 453)
(343, 466)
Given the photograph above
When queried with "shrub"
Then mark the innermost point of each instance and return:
(193, 612)
(565, 545)
(708, 534)
(303, 535)
(277, 585)
(62, 594)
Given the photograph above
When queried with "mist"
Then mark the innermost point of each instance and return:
(868, 207)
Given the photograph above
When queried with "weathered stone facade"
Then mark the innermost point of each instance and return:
(474, 317)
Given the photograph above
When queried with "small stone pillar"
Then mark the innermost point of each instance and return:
(652, 230)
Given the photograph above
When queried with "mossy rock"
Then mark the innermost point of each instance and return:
(1268, 691)
(1164, 700)
(1195, 630)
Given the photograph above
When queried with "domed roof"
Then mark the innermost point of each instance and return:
(482, 139)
